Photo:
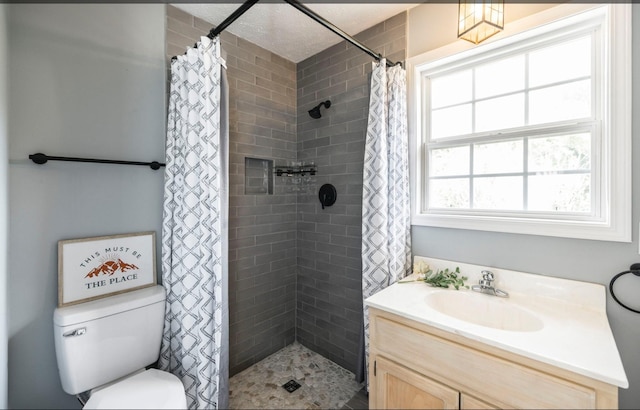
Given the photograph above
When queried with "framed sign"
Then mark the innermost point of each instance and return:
(92, 268)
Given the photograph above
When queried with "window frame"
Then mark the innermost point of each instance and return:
(613, 157)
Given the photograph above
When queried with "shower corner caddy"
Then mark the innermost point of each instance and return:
(292, 170)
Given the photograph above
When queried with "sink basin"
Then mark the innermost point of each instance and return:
(484, 310)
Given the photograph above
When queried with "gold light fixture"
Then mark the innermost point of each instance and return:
(480, 19)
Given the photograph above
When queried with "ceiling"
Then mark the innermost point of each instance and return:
(287, 32)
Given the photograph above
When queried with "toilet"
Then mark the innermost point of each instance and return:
(104, 346)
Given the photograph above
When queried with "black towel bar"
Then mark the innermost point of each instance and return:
(40, 158)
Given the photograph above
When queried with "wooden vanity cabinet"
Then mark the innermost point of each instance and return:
(398, 387)
(416, 366)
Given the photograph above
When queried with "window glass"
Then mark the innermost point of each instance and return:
(450, 161)
(447, 122)
(451, 89)
(565, 61)
(449, 193)
(560, 153)
(560, 103)
(500, 77)
(560, 193)
(499, 113)
(497, 193)
(498, 157)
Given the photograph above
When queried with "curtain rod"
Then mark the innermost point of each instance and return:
(233, 17)
(322, 21)
(227, 22)
(310, 13)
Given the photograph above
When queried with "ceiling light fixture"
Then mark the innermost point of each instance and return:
(480, 19)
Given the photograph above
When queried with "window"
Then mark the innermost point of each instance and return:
(529, 134)
(522, 134)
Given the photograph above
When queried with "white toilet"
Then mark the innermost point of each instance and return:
(103, 346)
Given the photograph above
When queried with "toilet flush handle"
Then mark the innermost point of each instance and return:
(76, 332)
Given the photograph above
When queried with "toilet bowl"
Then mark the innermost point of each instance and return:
(149, 389)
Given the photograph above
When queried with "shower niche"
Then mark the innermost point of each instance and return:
(258, 176)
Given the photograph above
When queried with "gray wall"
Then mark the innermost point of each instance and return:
(262, 227)
(585, 260)
(3, 207)
(87, 81)
(329, 289)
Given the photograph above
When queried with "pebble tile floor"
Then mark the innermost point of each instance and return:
(324, 384)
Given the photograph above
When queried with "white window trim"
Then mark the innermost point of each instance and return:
(617, 223)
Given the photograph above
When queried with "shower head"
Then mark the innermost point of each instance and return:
(315, 111)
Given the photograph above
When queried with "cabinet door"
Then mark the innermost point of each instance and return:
(400, 388)
(470, 402)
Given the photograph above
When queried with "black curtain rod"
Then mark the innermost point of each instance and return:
(233, 17)
(310, 13)
(40, 158)
(319, 19)
(227, 22)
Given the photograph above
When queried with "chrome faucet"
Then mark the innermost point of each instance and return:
(486, 285)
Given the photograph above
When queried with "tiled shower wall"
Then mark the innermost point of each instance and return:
(329, 295)
(262, 227)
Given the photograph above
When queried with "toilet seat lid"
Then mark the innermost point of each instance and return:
(151, 389)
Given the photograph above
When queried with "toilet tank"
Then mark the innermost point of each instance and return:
(103, 340)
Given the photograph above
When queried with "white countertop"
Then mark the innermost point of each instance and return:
(576, 335)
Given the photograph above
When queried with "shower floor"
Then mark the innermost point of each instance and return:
(323, 384)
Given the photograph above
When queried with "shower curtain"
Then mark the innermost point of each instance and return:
(194, 230)
(386, 214)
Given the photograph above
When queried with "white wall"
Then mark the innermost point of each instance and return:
(85, 80)
(585, 260)
(3, 208)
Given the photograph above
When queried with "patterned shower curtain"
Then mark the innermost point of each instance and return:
(194, 231)
(386, 214)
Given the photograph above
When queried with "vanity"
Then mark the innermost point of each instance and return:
(548, 345)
